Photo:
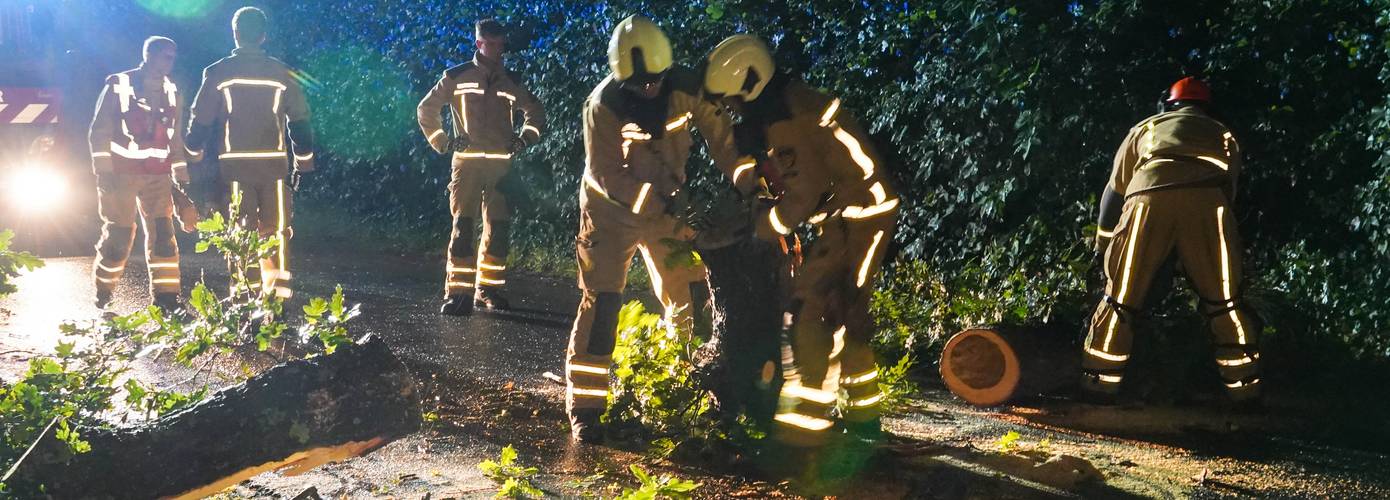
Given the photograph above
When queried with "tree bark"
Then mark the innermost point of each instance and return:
(740, 362)
(294, 416)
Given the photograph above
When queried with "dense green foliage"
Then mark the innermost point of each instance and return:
(12, 263)
(1000, 118)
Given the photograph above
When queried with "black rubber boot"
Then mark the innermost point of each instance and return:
(456, 305)
(585, 426)
(492, 298)
(168, 302)
(103, 299)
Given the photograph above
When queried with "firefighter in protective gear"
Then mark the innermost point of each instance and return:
(138, 156)
(1171, 191)
(257, 101)
(637, 141)
(484, 99)
(830, 178)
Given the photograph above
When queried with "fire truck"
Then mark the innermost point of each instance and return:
(47, 93)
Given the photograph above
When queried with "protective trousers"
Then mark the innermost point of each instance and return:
(473, 191)
(828, 348)
(1196, 223)
(267, 204)
(117, 204)
(609, 236)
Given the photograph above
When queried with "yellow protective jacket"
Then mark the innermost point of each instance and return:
(1177, 148)
(135, 129)
(1180, 148)
(636, 149)
(259, 100)
(483, 100)
(827, 165)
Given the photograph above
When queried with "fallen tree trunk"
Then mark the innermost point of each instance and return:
(740, 362)
(988, 366)
(294, 416)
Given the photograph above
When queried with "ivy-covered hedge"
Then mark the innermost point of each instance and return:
(1001, 118)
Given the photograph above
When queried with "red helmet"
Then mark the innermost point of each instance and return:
(1189, 89)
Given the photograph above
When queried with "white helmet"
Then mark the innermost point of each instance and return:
(740, 66)
(638, 49)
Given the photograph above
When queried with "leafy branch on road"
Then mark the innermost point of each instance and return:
(80, 384)
(515, 480)
(654, 487)
(13, 262)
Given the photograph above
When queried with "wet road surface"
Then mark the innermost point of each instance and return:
(486, 373)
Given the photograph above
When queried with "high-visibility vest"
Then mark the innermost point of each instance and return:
(142, 144)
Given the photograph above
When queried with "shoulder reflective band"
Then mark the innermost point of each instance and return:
(124, 90)
(868, 260)
(250, 81)
(856, 151)
(641, 197)
(776, 222)
(678, 122)
(828, 117)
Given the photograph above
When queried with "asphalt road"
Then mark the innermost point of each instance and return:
(485, 375)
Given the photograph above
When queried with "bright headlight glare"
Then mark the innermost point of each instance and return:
(36, 188)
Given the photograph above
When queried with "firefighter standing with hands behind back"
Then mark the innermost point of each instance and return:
(138, 155)
(827, 175)
(257, 100)
(484, 99)
(1171, 191)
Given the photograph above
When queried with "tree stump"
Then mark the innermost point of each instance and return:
(293, 417)
(740, 362)
(987, 366)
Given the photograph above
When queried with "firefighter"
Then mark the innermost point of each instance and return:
(1171, 191)
(484, 99)
(138, 156)
(637, 141)
(821, 171)
(257, 101)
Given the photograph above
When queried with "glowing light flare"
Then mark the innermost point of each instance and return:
(36, 188)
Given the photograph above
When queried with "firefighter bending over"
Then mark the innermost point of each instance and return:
(484, 99)
(823, 172)
(258, 101)
(1171, 191)
(637, 141)
(138, 156)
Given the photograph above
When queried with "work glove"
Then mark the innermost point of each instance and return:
(516, 146)
(458, 144)
(184, 208)
(304, 165)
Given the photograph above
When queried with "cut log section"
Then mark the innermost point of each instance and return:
(294, 416)
(987, 366)
(739, 363)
